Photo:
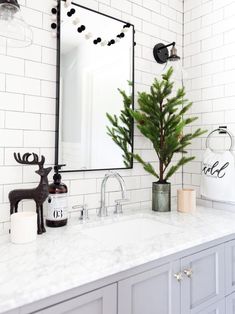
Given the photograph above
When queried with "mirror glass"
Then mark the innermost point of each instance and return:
(90, 75)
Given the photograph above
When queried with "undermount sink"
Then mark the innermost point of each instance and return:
(129, 231)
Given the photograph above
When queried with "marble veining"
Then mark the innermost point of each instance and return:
(68, 257)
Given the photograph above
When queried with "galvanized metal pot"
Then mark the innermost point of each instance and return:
(161, 198)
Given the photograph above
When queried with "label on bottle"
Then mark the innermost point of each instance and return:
(57, 207)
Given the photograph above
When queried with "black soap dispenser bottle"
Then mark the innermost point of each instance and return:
(57, 201)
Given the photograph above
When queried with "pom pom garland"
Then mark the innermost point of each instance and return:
(82, 28)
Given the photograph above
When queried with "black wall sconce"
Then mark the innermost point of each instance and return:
(161, 53)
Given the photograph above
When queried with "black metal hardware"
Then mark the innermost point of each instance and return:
(129, 25)
(222, 129)
(161, 53)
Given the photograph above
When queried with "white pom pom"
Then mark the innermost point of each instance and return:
(54, 3)
(88, 35)
(54, 17)
(117, 39)
(124, 30)
(54, 34)
(67, 3)
(103, 43)
(76, 21)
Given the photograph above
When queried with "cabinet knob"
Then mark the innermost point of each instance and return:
(188, 272)
(178, 276)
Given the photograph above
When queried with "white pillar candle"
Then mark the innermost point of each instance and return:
(186, 200)
(23, 227)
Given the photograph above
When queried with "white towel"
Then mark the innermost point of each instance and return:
(218, 176)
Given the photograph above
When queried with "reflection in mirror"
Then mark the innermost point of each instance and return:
(96, 58)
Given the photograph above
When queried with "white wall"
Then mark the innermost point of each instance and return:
(209, 51)
(27, 99)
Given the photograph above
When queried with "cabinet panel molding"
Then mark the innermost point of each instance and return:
(206, 285)
(230, 266)
(153, 292)
(230, 304)
(101, 301)
(218, 308)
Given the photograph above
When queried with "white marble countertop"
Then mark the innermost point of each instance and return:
(66, 258)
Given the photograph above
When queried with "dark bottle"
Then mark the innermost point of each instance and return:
(57, 201)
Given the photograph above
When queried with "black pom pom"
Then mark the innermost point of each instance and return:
(112, 41)
(127, 25)
(118, 36)
(79, 30)
(122, 35)
(69, 14)
(53, 11)
(109, 43)
(72, 11)
(95, 42)
(83, 27)
(53, 25)
(134, 43)
(98, 40)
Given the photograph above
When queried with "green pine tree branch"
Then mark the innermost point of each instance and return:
(121, 130)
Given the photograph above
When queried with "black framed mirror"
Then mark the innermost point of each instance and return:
(95, 61)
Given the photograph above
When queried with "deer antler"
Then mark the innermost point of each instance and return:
(25, 159)
(41, 163)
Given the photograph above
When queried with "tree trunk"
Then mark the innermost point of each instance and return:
(161, 171)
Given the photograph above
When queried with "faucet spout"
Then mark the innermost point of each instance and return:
(103, 208)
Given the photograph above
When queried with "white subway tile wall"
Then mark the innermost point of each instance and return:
(28, 91)
(209, 60)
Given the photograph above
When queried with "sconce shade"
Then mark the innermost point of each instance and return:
(13, 28)
(173, 55)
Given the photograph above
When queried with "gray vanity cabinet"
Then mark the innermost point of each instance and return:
(203, 282)
(152, 292)
(199, 289)
(101, 301)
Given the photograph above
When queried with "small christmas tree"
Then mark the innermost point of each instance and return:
(160, 118)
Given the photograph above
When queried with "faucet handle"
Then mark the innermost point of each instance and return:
(83, 210)
(118, 206)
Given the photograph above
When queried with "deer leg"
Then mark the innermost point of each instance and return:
(16, 206)
(11, 208)
(42, 220)
(38, 219)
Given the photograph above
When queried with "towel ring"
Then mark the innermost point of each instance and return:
(222, 130)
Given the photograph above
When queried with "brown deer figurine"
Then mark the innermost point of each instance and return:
(39, 194)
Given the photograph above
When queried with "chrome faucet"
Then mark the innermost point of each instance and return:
(103, 208)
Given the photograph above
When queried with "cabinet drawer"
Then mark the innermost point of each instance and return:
(101, 301)
(205, 285)
(152, 292)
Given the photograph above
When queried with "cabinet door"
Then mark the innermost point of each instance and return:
(101, 301)
(230, 266)
(203, 282)
(153, 292)
(218, 308)
(230, 304)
